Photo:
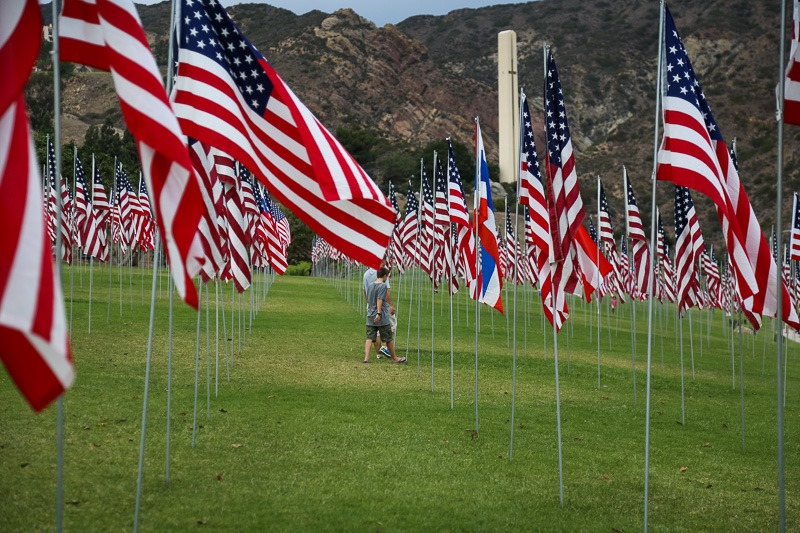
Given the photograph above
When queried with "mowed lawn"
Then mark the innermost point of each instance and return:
(304, 436)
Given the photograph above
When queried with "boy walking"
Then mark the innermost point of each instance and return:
(379, 316)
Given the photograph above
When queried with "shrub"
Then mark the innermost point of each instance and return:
(303, 268)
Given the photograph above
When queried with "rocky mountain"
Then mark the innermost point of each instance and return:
(427, 77)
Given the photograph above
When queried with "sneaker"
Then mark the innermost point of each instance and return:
(384, 351)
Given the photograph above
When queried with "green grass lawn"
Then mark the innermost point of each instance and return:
(306, 437)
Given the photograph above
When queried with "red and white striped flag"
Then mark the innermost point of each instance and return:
(532, 196)
(791, 106)
(641, 252)
(228, 96)
(464, 248)
(59, 192)
(108, 35)
(237, 226)
(410, 229)
(34, 344)
(689, 246)
(794, 239)
(564, 199)
(693, 154)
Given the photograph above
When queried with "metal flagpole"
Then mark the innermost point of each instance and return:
(476, 203)
(419, 261)
(599, 309)
(650, 288)
(433, 276)
(691, 339)
(146, 391)
(110, 241)
(216, 311)
(741, 376)
(514, 278)
(683, 404)
(555, 359)
(59, 214)
(455, 273)
(196, 372)
(225, 335)
(208, 359)
(632, 271)
(91, 257)
(779, 285)
(169, 376)
(72, 245)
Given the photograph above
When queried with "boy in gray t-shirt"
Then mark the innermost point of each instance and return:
(378, 319)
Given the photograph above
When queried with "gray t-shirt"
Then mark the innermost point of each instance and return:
(377, 290)
(370, 276)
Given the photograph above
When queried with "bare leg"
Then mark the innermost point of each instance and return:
(367, 347)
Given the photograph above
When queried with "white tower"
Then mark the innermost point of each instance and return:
(508, 105)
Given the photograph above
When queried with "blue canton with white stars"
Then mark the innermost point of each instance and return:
(206, 28)
(680, 77)
(528, 143)
(556, 125)
(412, 206)
(683, 204)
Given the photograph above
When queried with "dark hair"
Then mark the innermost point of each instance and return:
(382, 272)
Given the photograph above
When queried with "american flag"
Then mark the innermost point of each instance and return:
(514, 267)
(147, 241)
(490, 283)
(81, 205)
(227, 95)
(108, 35)
(794, 239)
(249, 208)
(442, 241)
(592, 231)
(530, 249)
(426, 227)
(668, 273)
(713, 280)
(59, 193)
(410, 229)
(641, 252)
(691, 136)
(564, 198)
(35, 348)
(215, 254)
(88, 220)
(281, 226)
(532, 195)
(689, 246)
(396, 247)
(791, 106)
(464, 236)
(99, 196)
(276, 249)
(661, 246)
(237, 225)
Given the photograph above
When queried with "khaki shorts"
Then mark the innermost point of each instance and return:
(385, 331)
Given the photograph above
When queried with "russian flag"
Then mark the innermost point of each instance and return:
(489, 275)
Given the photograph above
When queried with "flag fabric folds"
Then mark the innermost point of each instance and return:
(228, 96)
(791, 105)
(532, 196)
(565, 207)
(108, 35)
(35, 346)
(464, 236)
(794, 239)
(693, 154)
(641, 253)
(489, 279)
